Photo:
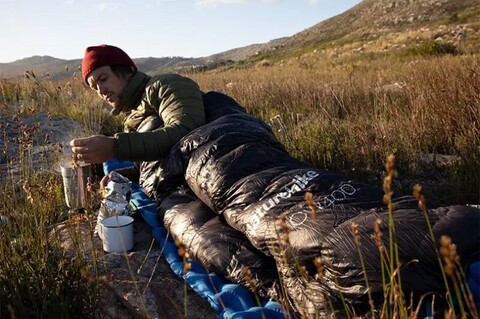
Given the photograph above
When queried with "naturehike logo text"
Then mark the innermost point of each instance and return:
(299, 183)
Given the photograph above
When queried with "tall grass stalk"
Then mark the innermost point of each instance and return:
(356, 238)
(336, 114)
(417, 193)
(395, 295)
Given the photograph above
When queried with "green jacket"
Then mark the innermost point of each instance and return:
(164, 108)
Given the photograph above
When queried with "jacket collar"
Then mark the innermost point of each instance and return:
(133, 92)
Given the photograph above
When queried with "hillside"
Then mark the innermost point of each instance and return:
(387, 26)
(372, 26)
(57, 69)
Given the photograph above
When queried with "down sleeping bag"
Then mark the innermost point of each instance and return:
(233, 195)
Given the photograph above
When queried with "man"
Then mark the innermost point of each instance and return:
(160, 110)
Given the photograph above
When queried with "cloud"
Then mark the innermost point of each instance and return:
(151, 3)
(107, 6)
(213, 3)
(102, 6)
(313, 2)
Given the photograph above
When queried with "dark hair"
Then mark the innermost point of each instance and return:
(122, 70)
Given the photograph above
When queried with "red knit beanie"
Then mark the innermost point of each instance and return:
(102, 55)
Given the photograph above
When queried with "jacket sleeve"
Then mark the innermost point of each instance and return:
(179, 103)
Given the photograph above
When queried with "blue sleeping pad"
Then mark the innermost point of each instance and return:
(231, 301)
(474, 282)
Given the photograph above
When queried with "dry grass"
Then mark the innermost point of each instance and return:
(344, 115)
(349, 116)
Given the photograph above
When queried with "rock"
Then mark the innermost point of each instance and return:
(138, 284)
(440, 160)
(40, 137)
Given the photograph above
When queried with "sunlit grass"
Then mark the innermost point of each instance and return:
(329, 113)
(348, 117)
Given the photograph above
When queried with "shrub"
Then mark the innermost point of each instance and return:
(433, 47)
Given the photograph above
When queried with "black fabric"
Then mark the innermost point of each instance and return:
(159, 180)
(218, 104)
(219, 248)
(249, 194)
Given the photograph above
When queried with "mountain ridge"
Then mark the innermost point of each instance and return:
(375, 26)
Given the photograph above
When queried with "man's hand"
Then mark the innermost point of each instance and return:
(94, 149)
(104, 181)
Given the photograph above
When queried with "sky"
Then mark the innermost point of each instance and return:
(152, 28)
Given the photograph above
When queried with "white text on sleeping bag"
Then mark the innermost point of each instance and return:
(299, 183)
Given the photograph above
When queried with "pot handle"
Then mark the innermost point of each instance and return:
(100, 231)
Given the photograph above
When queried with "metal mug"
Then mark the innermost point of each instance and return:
(116, 233)
(75, 179)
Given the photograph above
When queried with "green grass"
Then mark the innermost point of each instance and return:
(432, 47)
(37, 278)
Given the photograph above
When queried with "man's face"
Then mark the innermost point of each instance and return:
(107, 85)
